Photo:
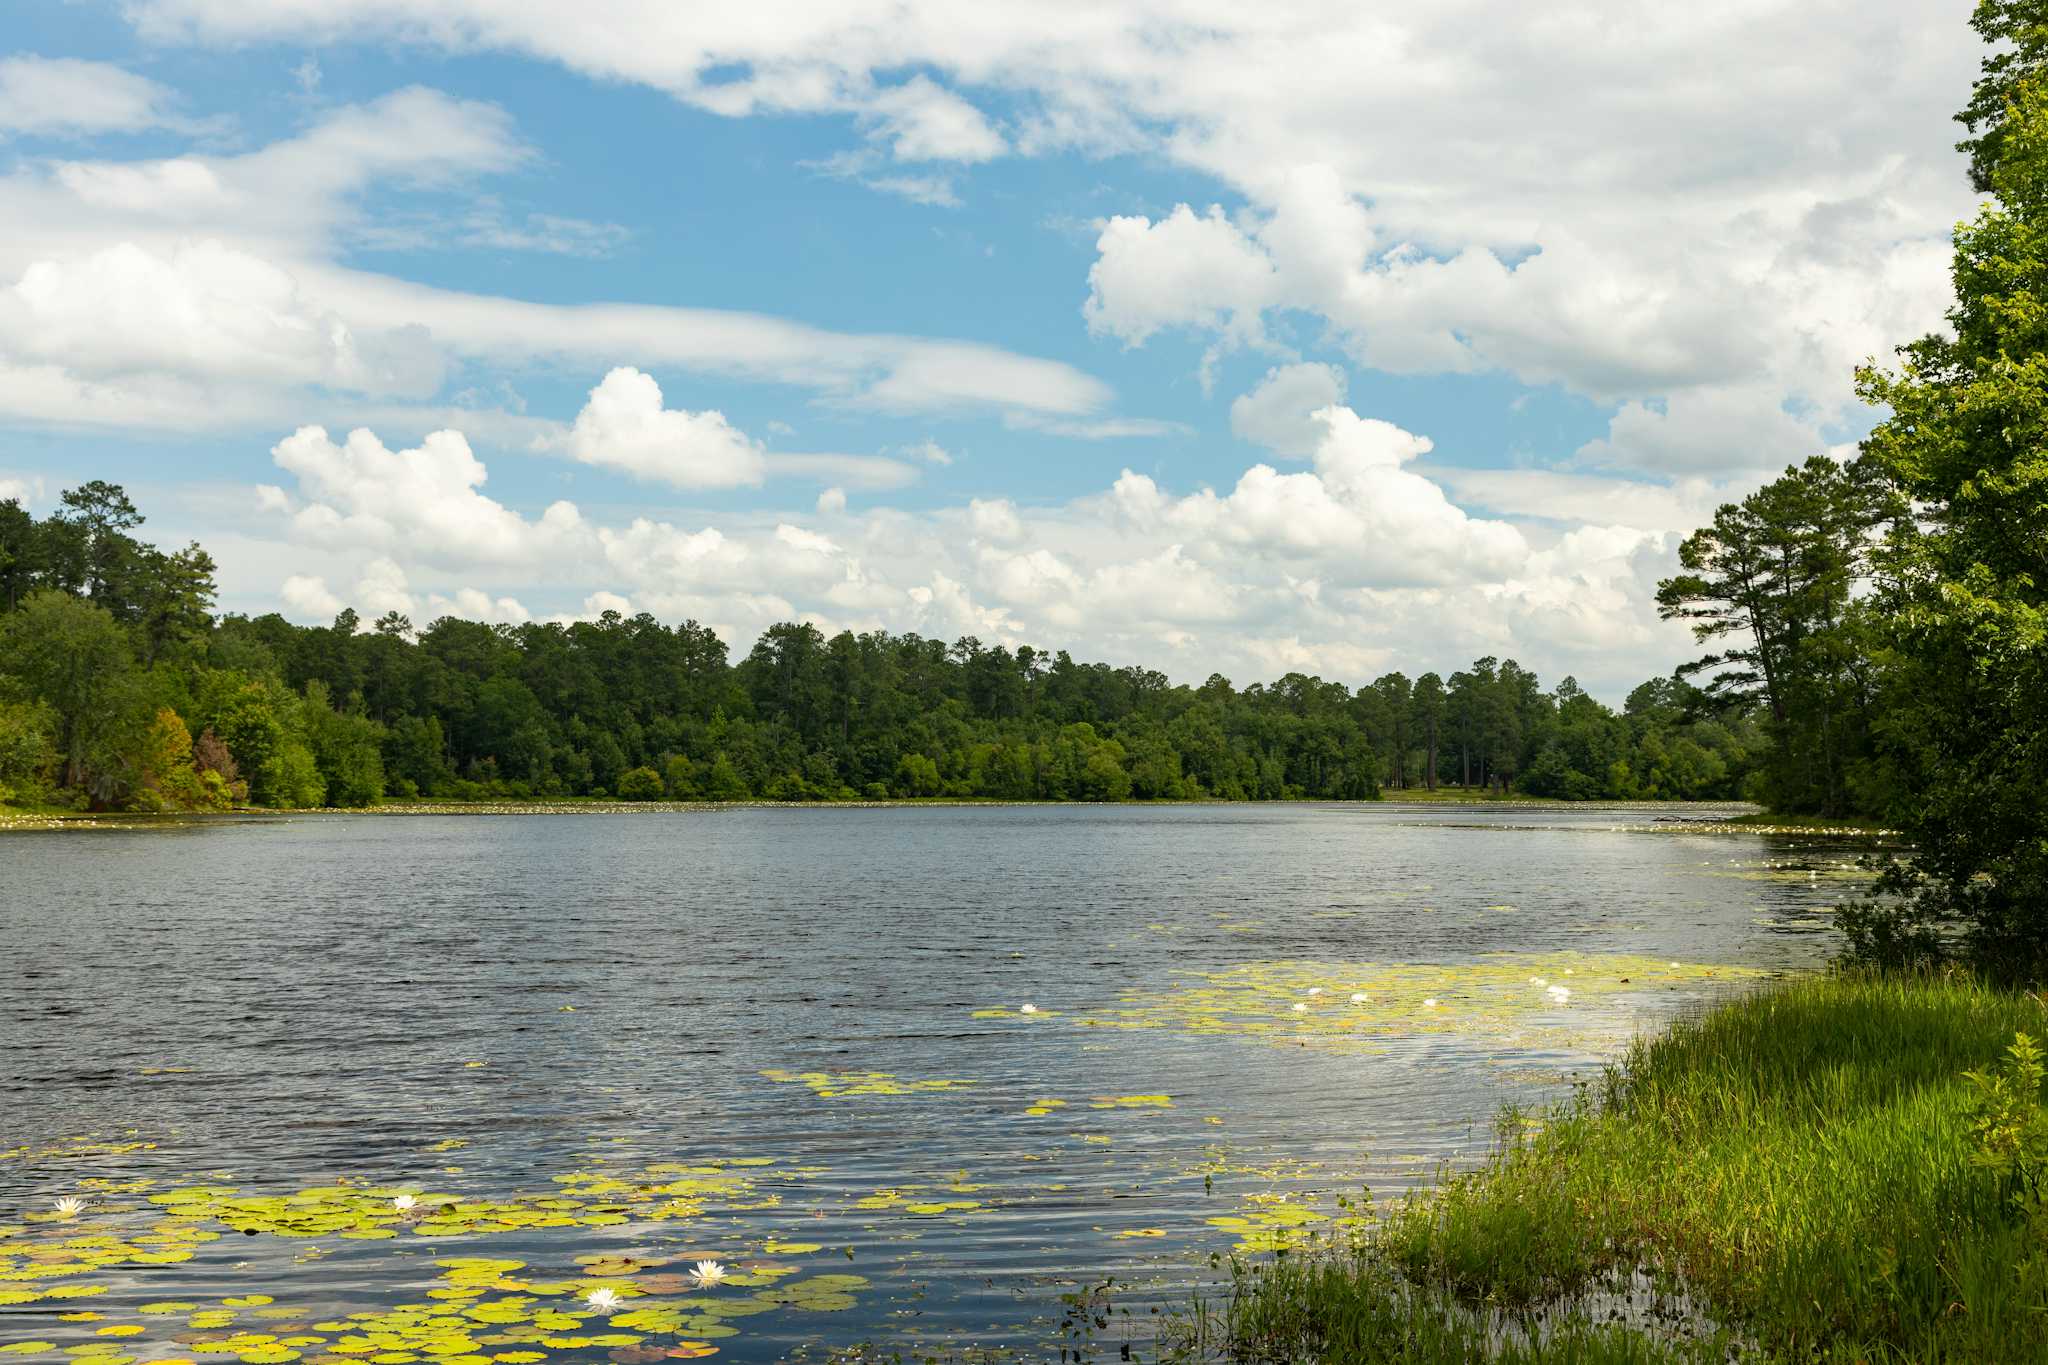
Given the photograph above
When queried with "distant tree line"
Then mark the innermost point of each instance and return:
(119, 688)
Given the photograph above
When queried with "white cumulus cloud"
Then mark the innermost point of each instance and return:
(625, 427)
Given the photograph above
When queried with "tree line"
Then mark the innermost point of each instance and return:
(120, 688)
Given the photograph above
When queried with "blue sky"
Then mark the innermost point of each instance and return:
(1332, 338)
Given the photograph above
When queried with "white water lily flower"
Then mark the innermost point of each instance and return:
(1358, 997)
(603, 1300)
(1430, 1003)
(1315, 990)
(707, 1274)
(1027, 1009)
(1558, 994)
(70, 1206)
(1300, 1007)
(1538, 981)
(404, 1203)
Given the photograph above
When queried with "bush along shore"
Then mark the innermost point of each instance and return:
(1845, 1167)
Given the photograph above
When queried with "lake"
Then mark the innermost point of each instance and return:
(596, 1049)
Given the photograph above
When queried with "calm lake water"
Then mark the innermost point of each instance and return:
(598, 1048)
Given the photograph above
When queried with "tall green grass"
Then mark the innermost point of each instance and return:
(1796, 1160)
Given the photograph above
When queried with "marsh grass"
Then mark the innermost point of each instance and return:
(1796, 1161)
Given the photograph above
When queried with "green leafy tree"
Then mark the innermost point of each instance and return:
(28, 752)
(723, 782)
(1967, 618)
(74, 657)
(347, 751)
(640, 784)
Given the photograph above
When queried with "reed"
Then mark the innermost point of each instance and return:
(1797, 1163)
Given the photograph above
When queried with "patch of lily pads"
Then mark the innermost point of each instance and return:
(1523, 999)
(840, 1085)
(482, 1310)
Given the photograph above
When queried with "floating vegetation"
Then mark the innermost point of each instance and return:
(836, 1085)
(79, 1148)
(1362, 1006)
(482, 1310)
(1270, 1222)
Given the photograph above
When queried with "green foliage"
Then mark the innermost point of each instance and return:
(1808, 1161)
(341, 714)
(28, 752)
(640, 784)
(1782, 578)
(1966, 601)
(290, 777)
(347, 751)
(2008, 1124)
(72, 656)
(723, 782)
(679, 778)
(169, 779)
(1346, 1304)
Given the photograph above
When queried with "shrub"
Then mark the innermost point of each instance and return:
(640, 784)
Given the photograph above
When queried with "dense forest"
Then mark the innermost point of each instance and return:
(119, 688)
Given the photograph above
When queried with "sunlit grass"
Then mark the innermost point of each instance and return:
(1797, 1160)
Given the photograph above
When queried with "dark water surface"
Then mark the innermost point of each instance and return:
(490, 1012)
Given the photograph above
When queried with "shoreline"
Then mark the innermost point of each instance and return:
(1722, 821)
(1788, 1174)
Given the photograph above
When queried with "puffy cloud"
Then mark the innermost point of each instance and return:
(66, 97)
(360, 493)
(306, 597)
(1183, 271)
(28, 491)
(1280, 414)
(383, 588)
(624, 426)
(995, 519)
(831, 502)
(1355, 561)
(1360, 516)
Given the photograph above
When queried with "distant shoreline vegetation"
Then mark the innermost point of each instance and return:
(120, 690)
(1685, 817)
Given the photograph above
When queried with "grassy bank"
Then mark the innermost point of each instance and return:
(1797, 1162)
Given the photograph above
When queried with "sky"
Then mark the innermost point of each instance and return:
(1204, 336)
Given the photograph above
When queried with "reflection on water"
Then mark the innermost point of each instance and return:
(345, 1089)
